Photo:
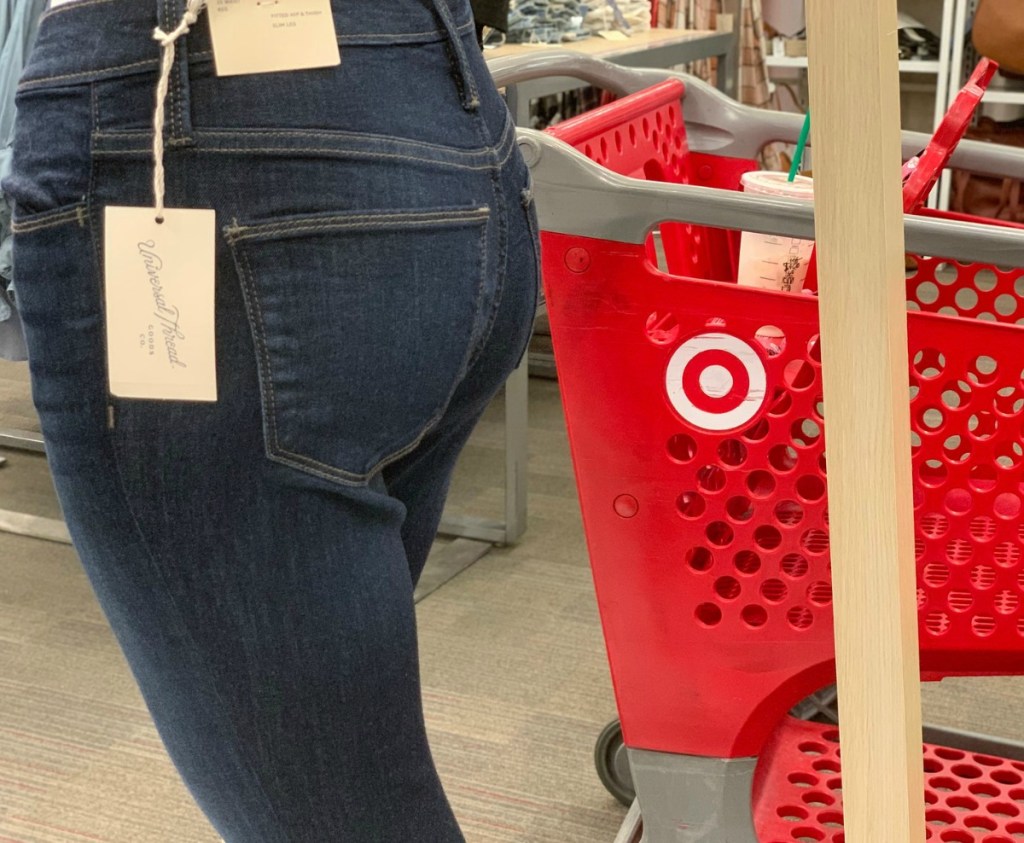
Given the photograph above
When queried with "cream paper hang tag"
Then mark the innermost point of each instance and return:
(159, 295)
(267, 36)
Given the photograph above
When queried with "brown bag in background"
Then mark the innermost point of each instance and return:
(988, 196)
(998, 33)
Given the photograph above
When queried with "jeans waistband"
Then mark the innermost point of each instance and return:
(87, 40)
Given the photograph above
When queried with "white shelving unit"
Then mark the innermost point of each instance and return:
(1004, 98)
(947, 74)
(932, 68)
(963, 13)
(939, 69)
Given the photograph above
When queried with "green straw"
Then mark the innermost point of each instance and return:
(801, 144)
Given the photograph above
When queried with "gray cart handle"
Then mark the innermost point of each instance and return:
(577, 196)
(720, 125)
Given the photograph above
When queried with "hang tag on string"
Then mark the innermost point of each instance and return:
(269, 36)
(159, 274)
(159, 295)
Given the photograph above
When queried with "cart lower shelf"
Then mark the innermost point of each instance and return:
(970, 796)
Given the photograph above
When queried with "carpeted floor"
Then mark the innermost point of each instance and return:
(516, 684)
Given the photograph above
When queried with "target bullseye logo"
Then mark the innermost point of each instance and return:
(716, 381)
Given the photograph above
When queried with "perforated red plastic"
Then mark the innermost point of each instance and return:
(925, 169)
(947, 137)
(969, 797)
(643, 136)
(697, 427)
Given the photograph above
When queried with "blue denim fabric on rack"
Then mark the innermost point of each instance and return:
(18, 22)
(546, 21)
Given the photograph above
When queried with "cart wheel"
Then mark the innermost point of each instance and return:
(613, 764)
(822, 707)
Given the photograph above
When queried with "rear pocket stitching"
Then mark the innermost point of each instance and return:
(51, 219)
(274, 450)
(238, 233)
(266, 377)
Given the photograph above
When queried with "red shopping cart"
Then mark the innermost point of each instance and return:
(706, 506)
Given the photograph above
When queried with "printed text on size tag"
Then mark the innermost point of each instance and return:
(266, 36)
(159, 295)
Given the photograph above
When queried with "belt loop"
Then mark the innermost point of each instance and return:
(460, 61)
(179, 105)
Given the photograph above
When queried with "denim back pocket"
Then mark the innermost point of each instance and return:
(363, 324)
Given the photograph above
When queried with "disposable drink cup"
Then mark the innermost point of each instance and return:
(766, 260)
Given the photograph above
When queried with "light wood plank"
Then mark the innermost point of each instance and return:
(854, 79)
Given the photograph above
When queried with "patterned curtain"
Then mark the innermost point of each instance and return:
(704, 14)
(753, 72)
(754, 88)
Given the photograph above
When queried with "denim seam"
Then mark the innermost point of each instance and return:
(317, 150)
(343, 135)
(32, 83)
(475, 347)
(274, 450)
(507, 135)
(177, 92)
(239, 233)
(187, 633)
(52, 219)
(97, 115)
(486, 153)
(185, 127)
(506, 141)
(499, 290)
(98, 245)
(465, 84)
(528, 203)
(327, 152)
(174, 129)
(337, 134)
(266, 375)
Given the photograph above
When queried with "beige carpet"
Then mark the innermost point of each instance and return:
(516, 685)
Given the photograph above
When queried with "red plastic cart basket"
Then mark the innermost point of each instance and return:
(700, 462)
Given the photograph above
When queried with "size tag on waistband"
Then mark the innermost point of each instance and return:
(266, 36)
(159, 294)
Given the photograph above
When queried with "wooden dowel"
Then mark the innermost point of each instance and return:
(854, 80)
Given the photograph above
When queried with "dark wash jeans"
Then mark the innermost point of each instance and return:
(376, 281)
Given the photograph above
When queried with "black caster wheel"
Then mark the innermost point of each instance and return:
(822, 707)
(613, 764)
